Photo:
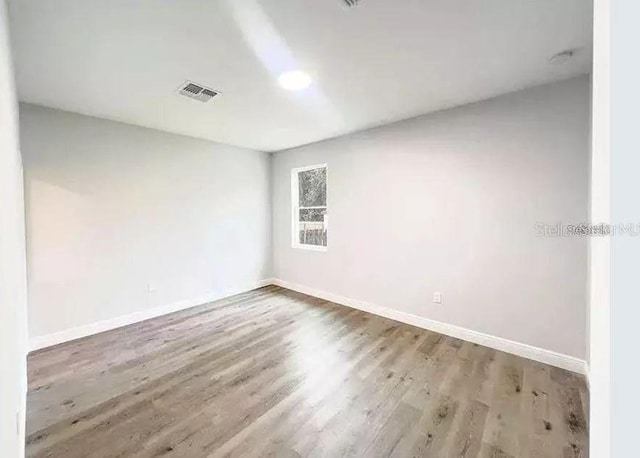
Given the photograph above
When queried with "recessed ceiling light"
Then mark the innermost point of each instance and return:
(294, 81)
(562, 57)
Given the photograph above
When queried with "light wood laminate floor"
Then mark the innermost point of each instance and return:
(276, 373)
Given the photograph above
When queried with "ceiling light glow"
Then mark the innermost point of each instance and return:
(294, 81)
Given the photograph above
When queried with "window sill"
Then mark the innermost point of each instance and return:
(310, 247)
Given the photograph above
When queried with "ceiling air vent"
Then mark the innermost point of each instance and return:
(351, 3)
(197, 91)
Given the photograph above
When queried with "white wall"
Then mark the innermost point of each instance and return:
(112, 208)
(616, 369)
(599, 333)
(12, 262)
(448, 202)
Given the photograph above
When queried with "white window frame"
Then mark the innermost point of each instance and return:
(295, 200)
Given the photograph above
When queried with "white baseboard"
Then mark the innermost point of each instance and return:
(508, 346)
(48, 340)
(587, 374)
(526, 351)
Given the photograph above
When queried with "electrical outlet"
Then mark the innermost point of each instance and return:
(437, 297)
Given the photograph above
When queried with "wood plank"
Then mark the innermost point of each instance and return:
(274, 372)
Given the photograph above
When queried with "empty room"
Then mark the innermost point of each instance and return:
(302, 228)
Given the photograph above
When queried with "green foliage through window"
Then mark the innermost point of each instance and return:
(312, 187)
(311, 216)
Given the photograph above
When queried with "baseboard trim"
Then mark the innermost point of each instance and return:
(498, 343)
(587, 374)
(48, 340)
(509, 346)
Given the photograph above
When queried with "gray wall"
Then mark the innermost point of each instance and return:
(112, 208)
(448, 202)
(13, 301)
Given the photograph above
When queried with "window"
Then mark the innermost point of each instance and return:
(309, 207)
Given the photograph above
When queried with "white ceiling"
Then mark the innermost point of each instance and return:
(382, 61)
